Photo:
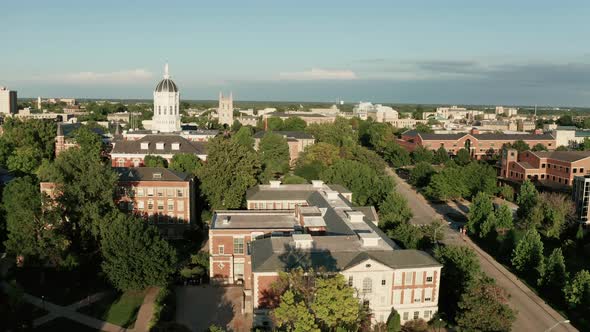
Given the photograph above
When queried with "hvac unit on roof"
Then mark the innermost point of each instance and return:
(317, 183)
(275, 183)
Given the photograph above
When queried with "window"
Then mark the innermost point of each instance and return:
(427, 299)
(180, 206)
(238, 245)
(581, 170)
(406, 316)
(157, 176)
(160, 205)
(150, 204)
(575, 170)
(144, 146)
(175, 146)
(136, 163)
(383, 282)
(428, 279)
(408, 278)
(350, 281)
(416, 314)
(150, 192)
(170, 205)
(221, 249)
(179, 193)
(121, 162)
(160, 190)
(160, 146)
(367, 285)
(427, 314)
(542, 165)
(139, 192)
(140, 205)
(170, 192)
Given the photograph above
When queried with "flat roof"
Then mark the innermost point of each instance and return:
(252, 219)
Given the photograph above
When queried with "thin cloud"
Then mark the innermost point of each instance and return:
(90, 77)
(319, 74)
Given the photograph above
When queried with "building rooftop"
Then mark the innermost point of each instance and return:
(296, 192)
(570, 156)
(132, 174)
(482, 137)
(134, 146)
(288, 134)
(253, 219)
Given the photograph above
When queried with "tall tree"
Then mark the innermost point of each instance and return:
(334, 303)
(397, 156)
(394, 321)
(293, 315)
(230, 170)
(393, 210)
(527, 257)
(504, 219)
(577, 291)
(135, 256)
(324, 153)
(154, 161)
(339, 133)
(421, 173)
(186, 163)
(479, 211)
(463, 157)
(527, 198)
(555, 275)
(422, 154)
(244, 136)
(441, 156)
(274, 154)
(294, 124)
(484, 307)
(447, 184)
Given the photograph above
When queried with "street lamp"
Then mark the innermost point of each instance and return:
(567, 321)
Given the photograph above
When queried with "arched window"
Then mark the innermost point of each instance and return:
(367, 285)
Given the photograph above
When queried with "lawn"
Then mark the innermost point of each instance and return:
(118, 308)
(64, 324)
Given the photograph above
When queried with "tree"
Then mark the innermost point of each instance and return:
(294, 179)
(585, 145)
(539, 147)
(484, 307)
(393, 210)
(324, 153)
(310, 171)
(423, 128)
(580, 233)
(527, 257)
(34, 232)
(407, 235)
(421, 173)
(446, 185)
(519, 145)
(577, 291)
(135, 256)
(294, 124)
(293, 315)
(24, 160)
(89, 141)
(397, 156)
(236, 125)
(463, 157)
(154, 161)
(504, 219)
(415, 325)
(366, 185)
(231, 168)
(394, 322)
(274, 124)
(554, 275)
(186, 163)
(422, 154)
(379, 136)
(527, 198)
(441, 156)
(334, 303)
(479, 177)
(506, 192)
(339, 133)
(565, 120)
(558, 211)
(274, 154)
(244, 136)
(479, 211)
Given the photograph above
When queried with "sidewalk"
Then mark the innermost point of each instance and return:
(146, 311)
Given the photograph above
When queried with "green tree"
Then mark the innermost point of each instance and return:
(519, 145)
(244, 136)
(504, 219)
(379, 136)
(339, 133)
(484, 307)
(558, 211)
(479, 177)
(230, 170)
(421, 173)
(334, 303)
(479, 211)
(154, 161)
(461, 268)
(407, 235)
(294, 124)
(293, 315)
(423, 128)
(463, 157)
(89, 141)
(236, 125)
(506, 192)
(446, 185)
(274, 154)
(565, 120)
(24, 160)
(135, 256)
(186, 163)
(396, 155)
(324, 153)
(554, 275)
(539, 147)
(585, 145)
(422, 154)
(393, 210)
(294, 179)
(441, 156)
(368, 187)
(580, 233)
(527, 198)
(527, 257)
(310, 171)
(394, 322)
(577, 291)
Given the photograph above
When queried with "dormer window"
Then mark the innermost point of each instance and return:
(160, 146)
(145, 146)
(157, 175)
(175, 146)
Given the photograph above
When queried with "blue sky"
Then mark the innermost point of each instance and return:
(492, 52)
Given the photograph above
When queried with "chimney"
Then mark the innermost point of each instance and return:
(302, 241)
(275, 183)
(331, 194)
(355, 216)
(317, 183)
(474, 131)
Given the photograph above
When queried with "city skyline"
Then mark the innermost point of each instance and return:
(456, 53)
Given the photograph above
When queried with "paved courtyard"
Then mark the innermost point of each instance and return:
(197, 307)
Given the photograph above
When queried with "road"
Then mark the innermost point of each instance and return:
(533, 314)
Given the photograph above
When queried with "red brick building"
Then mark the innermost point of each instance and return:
(316, 226)
(479, 145)
(556, 168)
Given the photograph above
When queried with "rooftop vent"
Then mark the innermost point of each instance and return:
(157, 175)
(331, 194)
(317, 183)
(225, 220)
(302, 241)
(355, 216)
(369, 239)
(275, 183)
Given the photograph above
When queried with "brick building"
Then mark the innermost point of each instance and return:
(64, 138)
(479, 145)
(131, 153)
(316, 226)
(296, 140)
(554, 168)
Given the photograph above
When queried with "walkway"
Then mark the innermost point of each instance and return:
(533, 314)
(146, 311)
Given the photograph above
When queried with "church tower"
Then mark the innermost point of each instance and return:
(225, 111)
(166, 105)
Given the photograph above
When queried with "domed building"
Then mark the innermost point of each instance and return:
(166, 117)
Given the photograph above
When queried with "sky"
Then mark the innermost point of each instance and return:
(450, 52)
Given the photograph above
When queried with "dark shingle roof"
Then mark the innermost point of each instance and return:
(186, 146)
(131, 174)
(288, 134)
(166, 85)
(562, 155)
(524, 137)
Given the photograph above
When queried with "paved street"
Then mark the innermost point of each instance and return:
(533, 313)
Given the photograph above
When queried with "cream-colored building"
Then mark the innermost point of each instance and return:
(8, 101)
(225, 111)
(166, 117)
(506, 111)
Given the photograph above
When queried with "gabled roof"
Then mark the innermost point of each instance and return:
(133, 174)
(134, 146)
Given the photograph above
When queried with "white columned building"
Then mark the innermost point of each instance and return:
(166, 105)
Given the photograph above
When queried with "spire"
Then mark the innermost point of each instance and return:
(166, 75)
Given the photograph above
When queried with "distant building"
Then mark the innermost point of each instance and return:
(166, 105)
(297, 141)
(552, 168)
(581, 198)
(65, 136)
(59, 117)
(225, 111)
(451, 113)
(8, 101)
(569, 136)
(506, 111)
(316, 226)
(378, 112)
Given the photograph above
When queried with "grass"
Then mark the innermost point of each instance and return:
(64, 324)
(118, 308)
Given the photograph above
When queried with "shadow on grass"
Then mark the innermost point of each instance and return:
(116, 308)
